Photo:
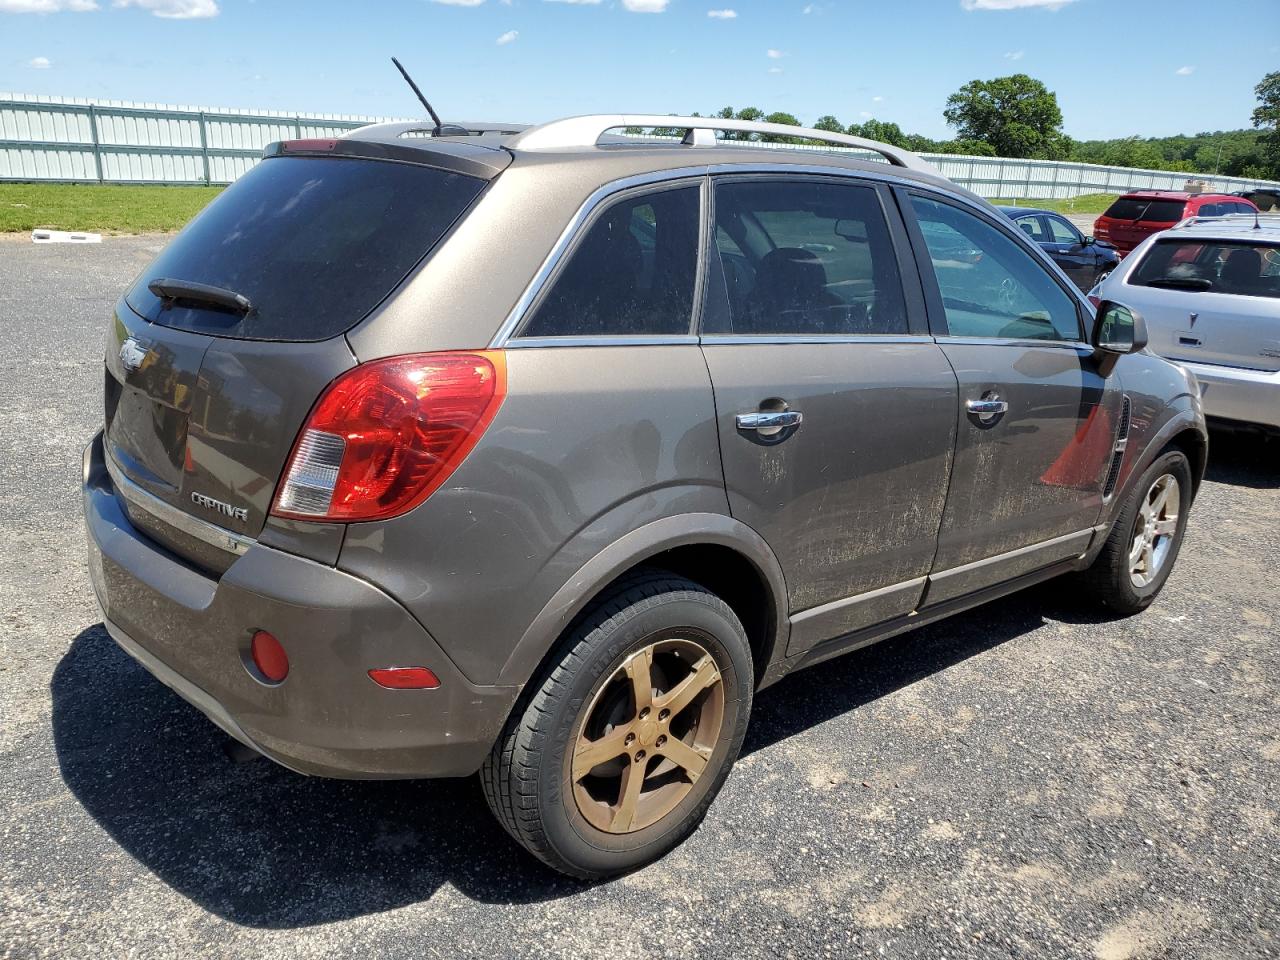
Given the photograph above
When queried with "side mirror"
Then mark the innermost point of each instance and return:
(1088, 242)
(1118, 329)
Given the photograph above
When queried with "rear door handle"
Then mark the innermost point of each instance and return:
(769, 420)
(986, 407)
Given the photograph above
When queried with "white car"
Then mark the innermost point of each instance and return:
(1209, 290)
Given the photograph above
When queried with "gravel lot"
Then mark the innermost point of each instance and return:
(1026, 780)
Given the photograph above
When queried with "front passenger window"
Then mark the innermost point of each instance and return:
(991, 286)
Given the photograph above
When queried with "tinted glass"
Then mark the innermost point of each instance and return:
(1251, 270)
(1126, 208)
(1210, 210)
(1139, 208)
(1165, 211)
(803, 258)
(1062, 231)
(314, 243)
(632, 273)
(990, 286)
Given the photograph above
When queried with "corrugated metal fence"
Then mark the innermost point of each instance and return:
(94, 141)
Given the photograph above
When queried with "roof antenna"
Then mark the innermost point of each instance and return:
(441, 129)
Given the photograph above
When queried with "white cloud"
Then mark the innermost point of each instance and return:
(774, 54)
(174, 9)
(646, 6)
(39, 63)
(460, 3)
(1185, 71)
(1015, 55)
(47, 6)
(1013, 4)
(722, 14)
(590, 3)
(775, 69)
(876, 99)
(508, 37)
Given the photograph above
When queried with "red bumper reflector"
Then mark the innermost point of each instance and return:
(269, 656)
(405, 678)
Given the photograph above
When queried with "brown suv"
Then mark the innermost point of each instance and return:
(538, 452)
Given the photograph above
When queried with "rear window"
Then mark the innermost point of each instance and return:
(1243, 269)
(1139, 208)
(313, 243)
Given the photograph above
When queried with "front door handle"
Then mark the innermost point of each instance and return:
(770, 420)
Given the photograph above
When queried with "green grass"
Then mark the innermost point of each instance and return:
(106, 208)
(1087, 203)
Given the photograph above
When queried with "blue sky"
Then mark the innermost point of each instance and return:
(1119, 67)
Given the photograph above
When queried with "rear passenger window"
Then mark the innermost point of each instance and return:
(990, 286)
(805, 258)
(631, 275)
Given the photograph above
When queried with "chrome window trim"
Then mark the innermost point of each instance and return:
(201, 530)
(505, 337)
(714, 339)
(1079, 346)
(536, 343)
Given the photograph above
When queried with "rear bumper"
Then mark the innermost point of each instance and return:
(327, 718)
(1247, 396)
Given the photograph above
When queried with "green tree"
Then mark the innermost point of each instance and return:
(1018, 116)
(828, 123)
(880, 130)
(1266, 117)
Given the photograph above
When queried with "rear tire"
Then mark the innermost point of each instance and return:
(628, 737)
(1147, 536)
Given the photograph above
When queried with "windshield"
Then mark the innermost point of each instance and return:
(312, 243)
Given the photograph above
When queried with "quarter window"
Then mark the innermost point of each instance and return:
(990, 286)
(631, 274)
(805, 258)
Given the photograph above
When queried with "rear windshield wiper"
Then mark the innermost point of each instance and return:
(170, 290)
(1184, 283)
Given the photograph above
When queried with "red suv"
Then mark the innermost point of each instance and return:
(1135, 216)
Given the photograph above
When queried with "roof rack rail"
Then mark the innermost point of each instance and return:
(396, 129)
(697, 132)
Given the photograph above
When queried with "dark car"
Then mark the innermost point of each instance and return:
(1266, 199)
(1135, 216)
(1083, 259)
(522, 453)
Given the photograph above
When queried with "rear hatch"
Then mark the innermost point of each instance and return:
(1212, 301)
(1130, 220)
(221, 347)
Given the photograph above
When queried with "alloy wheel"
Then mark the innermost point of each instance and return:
(1154, 530)
(648, 735)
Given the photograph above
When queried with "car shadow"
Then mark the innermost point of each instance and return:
(1244, 459)
(263, 847)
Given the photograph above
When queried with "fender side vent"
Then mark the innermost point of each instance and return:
(1117, 457)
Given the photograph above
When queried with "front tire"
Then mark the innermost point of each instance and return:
(1147, 536)
(627, 739)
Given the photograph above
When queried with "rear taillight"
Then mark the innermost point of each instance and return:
(384, 436)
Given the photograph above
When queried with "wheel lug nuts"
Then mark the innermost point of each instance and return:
(639, 755)
(663, 714)
(644, 713)
(661, 741)
(630, 739)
